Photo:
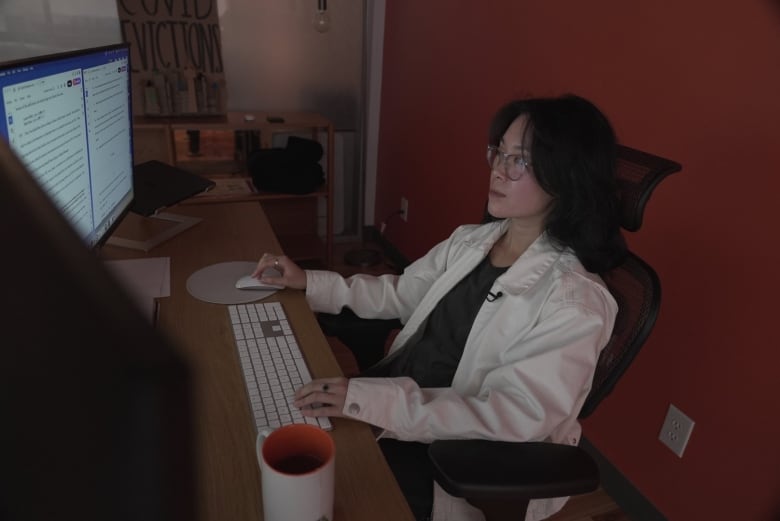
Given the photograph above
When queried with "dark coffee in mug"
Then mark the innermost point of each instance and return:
(298, 464)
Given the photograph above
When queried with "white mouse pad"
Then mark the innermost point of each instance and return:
(217, 284)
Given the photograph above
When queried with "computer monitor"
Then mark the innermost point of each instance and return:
(95, 403)
(69, 117)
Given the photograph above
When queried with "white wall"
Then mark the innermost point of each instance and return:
(35, 27)
(274, 57)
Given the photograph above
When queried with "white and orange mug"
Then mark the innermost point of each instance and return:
(297, 467)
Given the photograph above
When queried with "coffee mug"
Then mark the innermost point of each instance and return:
(297, 467)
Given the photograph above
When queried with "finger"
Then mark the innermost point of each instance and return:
(329, 411)
(305, 390)
(320, 393)
(265, 262)
(315, 398)
(321, 404)
(278, 281)
(326, 394)
(258, 269)
(333, 383)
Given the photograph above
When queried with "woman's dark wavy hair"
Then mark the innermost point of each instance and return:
(573, 156)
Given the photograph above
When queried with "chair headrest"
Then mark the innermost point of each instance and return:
(638, 173)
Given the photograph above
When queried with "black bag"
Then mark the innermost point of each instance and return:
(294, 169)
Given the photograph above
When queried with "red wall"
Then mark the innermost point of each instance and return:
(698, 82)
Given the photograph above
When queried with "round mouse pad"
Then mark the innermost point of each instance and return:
(217, 284)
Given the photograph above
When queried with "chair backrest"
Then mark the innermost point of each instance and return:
(638, 173)
(637, 290)
(634, 284)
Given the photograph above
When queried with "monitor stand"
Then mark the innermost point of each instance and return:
(144, 233)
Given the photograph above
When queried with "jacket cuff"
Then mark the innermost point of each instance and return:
(318, 294)
(382, 393)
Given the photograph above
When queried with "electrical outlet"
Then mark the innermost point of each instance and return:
(676, 430)
(404, 209)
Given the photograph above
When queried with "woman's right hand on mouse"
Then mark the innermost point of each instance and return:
(290, 274)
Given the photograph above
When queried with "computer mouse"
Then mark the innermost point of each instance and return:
(250, 282)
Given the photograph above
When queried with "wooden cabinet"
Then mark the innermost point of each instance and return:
(303, 223)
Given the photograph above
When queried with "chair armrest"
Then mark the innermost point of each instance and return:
(496, 470)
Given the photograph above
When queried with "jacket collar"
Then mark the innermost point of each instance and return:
(530, 266)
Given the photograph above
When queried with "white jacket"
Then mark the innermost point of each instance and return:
(527, 365)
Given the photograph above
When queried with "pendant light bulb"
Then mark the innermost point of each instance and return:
(321, 20)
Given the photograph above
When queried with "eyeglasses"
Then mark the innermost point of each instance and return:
(514, 165)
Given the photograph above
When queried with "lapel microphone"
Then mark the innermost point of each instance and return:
(493, 296)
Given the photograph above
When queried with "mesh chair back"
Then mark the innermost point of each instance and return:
(637, 290)
(638, 173)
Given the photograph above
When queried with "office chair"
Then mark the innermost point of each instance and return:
(500, 478)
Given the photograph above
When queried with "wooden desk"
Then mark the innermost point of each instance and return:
(228, 475)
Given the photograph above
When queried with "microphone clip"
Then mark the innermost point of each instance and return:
(492, 297)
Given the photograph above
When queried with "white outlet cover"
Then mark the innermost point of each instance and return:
(676, 430)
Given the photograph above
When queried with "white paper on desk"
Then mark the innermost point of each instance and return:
(144, 279)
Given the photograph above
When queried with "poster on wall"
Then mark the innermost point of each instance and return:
(176, 57)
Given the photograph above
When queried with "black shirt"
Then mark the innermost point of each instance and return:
(432, 355)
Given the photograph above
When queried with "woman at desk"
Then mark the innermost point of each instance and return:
(503, 321)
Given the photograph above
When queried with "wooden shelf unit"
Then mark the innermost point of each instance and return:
(294, 217)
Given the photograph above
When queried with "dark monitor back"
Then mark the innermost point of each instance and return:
(95, 403)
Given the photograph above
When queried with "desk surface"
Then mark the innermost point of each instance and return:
(228, 475)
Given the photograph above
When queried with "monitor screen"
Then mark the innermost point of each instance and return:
(68, 117)
(96, 404)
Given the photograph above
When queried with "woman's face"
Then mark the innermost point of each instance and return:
(522, 200)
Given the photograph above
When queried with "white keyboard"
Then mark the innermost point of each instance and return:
(272, 364)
